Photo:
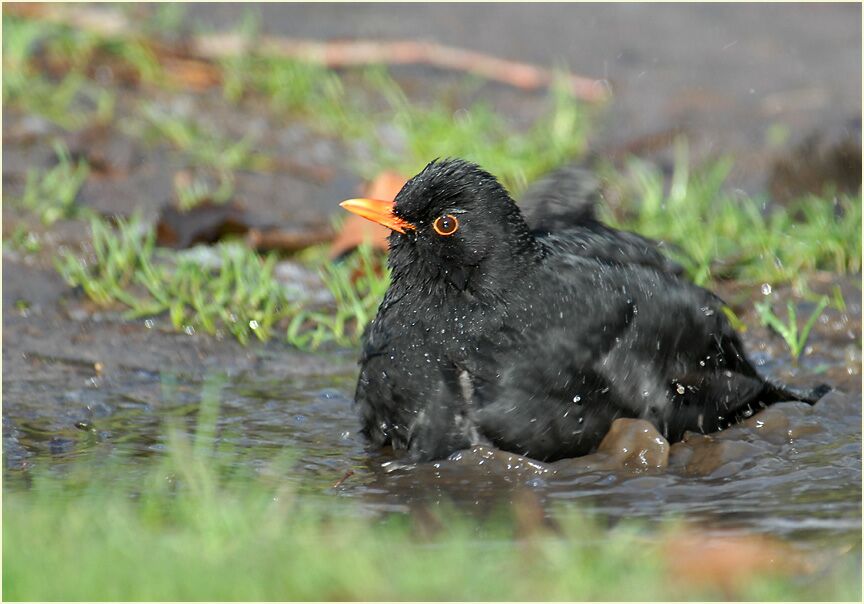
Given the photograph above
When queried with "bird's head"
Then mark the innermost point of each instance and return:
(454, 221)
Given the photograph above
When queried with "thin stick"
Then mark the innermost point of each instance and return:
(334, 54)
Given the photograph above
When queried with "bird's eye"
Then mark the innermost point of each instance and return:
(446, 225)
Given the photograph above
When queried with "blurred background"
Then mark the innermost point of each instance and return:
(755, 81)
(183, 298)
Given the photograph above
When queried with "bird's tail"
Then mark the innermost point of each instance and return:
(784, 392)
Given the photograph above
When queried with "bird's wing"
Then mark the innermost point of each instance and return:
(595, 240)
(560, 200)
(538, 375)
(613, 341)
(560, 210)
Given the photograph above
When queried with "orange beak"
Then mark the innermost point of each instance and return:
(378, 211)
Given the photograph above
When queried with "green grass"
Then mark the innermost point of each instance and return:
(198, 526)
(201, 147)
(51, 193)
(200, 190)
(165, 20)
(361, 111)
(199, 144)
(71, 100)
(357, 289)
(795, 339)
(79, 50)
(23, 240)
(480, 134)
(260, 546)
(716, 234)
(239, 294)
(311, 91)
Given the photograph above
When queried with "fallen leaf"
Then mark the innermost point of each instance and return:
(195, 74)
(696, 558)
(206, 223)
(209, 222)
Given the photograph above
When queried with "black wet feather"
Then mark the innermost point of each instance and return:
(535, 338)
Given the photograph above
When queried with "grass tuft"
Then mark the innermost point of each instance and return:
(198, 190)
(357, 287)
(233, 290)
(198, 143)
(716, 234)
(480, 134)
(395, 132)
(45, 69)
(795, 339)
(51, 193)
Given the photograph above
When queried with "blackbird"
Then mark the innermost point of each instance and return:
(535, 340)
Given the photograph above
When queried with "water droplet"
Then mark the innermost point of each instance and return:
(148, 323)
(577, 398)
(766, 289)
(679, 389)
(189, 330)
(253, 324)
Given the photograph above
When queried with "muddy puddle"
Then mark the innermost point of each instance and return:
(792, 471)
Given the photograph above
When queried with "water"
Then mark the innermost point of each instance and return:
(800, 479)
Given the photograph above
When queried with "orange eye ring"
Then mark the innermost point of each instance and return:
(446, 225)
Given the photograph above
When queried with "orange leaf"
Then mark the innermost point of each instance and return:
(726, 561)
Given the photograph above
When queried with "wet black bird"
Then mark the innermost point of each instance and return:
(535, 340)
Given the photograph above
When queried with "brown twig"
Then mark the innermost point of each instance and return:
(352, 53)
(334, 53)
(339, 482)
